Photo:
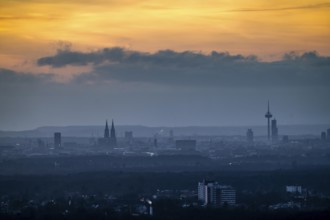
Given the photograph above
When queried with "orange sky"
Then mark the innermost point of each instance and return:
(31, 29)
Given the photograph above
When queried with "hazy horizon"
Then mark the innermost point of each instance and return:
(164, 126)
(164, 131)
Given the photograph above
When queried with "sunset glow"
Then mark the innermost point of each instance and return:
(265, 28)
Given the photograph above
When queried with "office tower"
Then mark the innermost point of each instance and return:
(274, 131)
(249, 135)
(171, 133)
(113, 139)
(171, 137)
(268, 115)
(106, 130)
(57, 140)
(294, 189)
(210, 193)
(227, 195)
(328, 134)
(323, 136)
(207, 193)
(155, 142)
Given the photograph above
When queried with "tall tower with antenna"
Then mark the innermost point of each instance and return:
(268, 115)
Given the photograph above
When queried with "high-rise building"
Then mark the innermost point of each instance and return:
(328, 134)
(274, 131)
(249, 135)
(171, 137)
(268, 115)
(207, 192)
(57, 140)
(210, 193)
(323, 136)
(155, 142)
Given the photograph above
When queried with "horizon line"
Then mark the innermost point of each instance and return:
(166, 126)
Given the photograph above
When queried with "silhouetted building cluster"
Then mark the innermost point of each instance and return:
(285, 139)
(186, 145)
(325, 135)
(128, 135)
(294, 189)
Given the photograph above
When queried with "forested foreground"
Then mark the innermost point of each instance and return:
(119, 195)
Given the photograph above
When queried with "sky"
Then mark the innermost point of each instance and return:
(163, 63)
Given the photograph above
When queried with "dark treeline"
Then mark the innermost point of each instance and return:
(119, 183)
(256, 190)
(167, 210)
(166, 163)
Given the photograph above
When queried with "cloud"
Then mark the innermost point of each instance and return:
(167, 87)
(10, 76)
(307, 58)
(195, 69)
(120, 55)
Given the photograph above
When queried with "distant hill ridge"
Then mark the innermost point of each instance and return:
(146, 131)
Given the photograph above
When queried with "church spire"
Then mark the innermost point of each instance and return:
(106, 130)
(113, 134)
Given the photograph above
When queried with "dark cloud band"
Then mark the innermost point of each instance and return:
(120, 55)
(195, 69)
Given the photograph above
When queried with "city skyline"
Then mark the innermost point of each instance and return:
(158, 63)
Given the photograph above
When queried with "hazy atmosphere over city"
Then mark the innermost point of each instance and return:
(163, 63)
(164, 109)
